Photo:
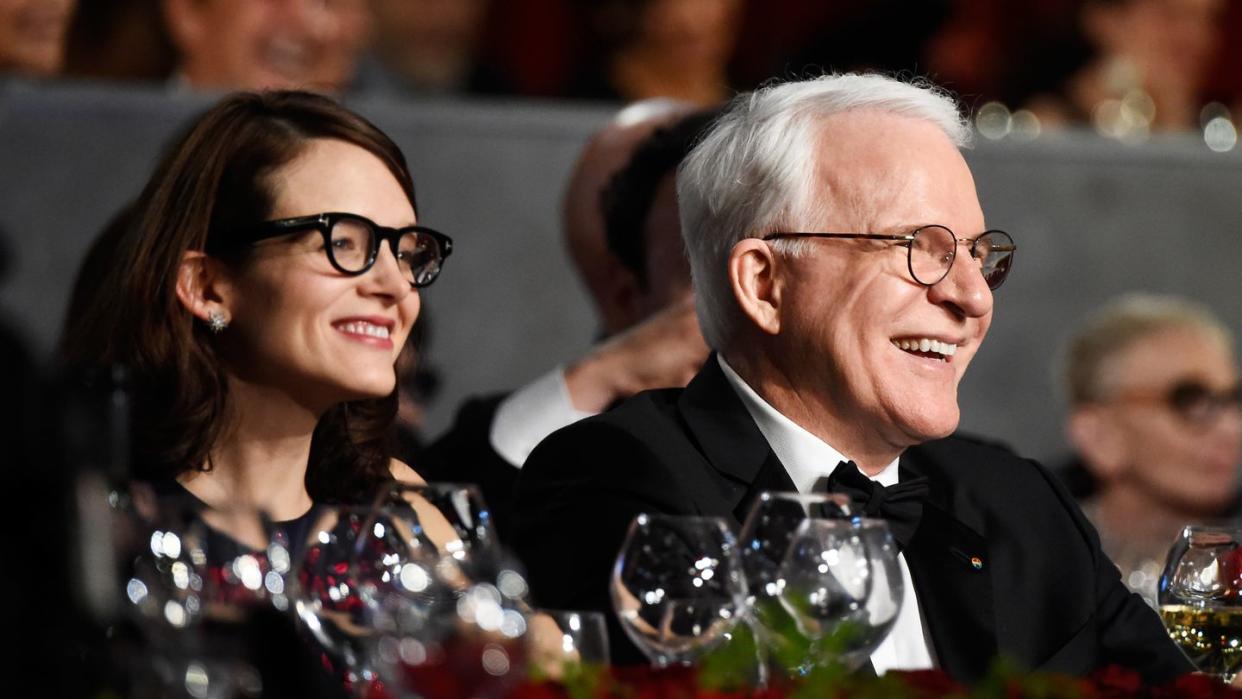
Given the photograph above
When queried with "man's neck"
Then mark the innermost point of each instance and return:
(260, 461)
(872, 455)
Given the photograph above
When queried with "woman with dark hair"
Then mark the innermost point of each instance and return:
(260, 296)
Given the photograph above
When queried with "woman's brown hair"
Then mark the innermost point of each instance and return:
(210, 187)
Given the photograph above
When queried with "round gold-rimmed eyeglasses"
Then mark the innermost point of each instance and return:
(932, 249)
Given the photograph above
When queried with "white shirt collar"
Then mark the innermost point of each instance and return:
(805, 456)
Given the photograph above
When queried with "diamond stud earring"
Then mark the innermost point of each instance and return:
(217, 322)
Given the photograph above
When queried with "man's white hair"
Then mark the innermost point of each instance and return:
(754, 172)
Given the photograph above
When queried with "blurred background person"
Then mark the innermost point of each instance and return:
(32, 36)
(620, 217)
(582, 215)
(274, 44)
(431, 46)
(1132, 66)
(1154, 420)
(660, 48)
(120, 41)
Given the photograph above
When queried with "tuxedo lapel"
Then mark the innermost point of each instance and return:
(727, 436)
(949, 563)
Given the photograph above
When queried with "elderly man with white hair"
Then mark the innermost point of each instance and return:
(844, 278)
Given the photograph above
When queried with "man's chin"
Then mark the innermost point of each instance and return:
(925, 427)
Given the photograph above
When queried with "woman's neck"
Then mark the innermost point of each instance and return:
(260, 459)
(1135, 524)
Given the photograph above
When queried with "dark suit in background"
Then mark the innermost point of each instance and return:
(1045, 596)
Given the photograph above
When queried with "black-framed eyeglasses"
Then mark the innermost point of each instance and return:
(932, 249)
(1193, 402)
(352, 243)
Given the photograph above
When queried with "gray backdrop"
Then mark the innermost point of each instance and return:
(1091, 219)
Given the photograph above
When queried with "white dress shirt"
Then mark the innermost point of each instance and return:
(806, 458)
(531, 413)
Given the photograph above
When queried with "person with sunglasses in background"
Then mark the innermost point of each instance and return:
(1154, 421)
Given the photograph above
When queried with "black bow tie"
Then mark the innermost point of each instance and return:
(901, 505)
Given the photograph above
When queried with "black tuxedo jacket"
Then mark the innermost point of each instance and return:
(1003, 561)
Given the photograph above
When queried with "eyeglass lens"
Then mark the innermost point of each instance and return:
(354, 247)
(1199, 404)
(934, 248)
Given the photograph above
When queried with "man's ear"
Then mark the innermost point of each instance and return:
(1098, 440)
(202, 287)
(621, 308)
(752, 276)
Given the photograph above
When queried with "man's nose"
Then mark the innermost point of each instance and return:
(964, 287)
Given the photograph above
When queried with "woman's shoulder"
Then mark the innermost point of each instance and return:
(401, 471)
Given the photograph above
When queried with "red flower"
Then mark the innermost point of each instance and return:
(1116, 681)
(539, 690)
(928, 683)
(1194, 687)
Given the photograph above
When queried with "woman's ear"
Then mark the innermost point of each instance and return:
(752, 276)
(203, 288)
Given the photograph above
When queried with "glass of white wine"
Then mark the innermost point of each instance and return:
(1200, 598)
(678, 587)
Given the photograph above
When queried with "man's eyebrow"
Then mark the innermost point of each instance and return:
(903, 228)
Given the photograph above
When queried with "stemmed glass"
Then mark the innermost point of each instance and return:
(470, 641)
(1200, 599)
(190, 574)
(842, 584)
(351, 562)
(457, 505)
(766, 534)
(559, 641)
(677, 586)
(449, 518)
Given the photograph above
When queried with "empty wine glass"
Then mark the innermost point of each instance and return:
(842, 584)
(1200, 600)
(677, 586)
(451, 621)
(769, 529)
(190, 573)
(450, 518)
(455, 505)
(351, 561)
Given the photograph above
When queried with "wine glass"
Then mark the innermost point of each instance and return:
(559, 642)
(767, 532)
(191, 574)
(459, 506)
(469, 643)
(678, 586)
(451, 519)
(842, 584)
(351, 563)
(444, 607)
(1199, 598)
